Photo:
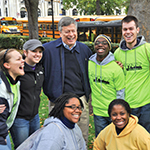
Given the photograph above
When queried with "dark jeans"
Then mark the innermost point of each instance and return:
(143, 114)
(100, 123)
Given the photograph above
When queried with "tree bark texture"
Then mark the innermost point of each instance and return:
(97, 7)
(141, 10)
(32, 9)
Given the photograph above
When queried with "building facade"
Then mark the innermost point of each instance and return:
(16, 8)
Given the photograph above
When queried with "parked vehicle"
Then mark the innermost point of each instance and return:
(9, 25)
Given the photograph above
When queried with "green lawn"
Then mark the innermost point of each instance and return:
(43, 113)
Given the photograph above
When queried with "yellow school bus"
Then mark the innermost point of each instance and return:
(109, 17)
(9, 25)
(84, 18)
(87, 30)
(44, 26)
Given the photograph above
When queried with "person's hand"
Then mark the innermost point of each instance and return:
(2, 108)
(120, 64)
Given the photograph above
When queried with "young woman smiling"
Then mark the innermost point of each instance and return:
(11, 66)
(124, 132)
(60, 131)
(27, 120)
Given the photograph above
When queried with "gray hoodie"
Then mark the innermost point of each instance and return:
(109, 58)
(55, 136)
(140, 41)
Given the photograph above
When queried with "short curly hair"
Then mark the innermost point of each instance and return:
(119, 102)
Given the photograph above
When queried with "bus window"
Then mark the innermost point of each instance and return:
(54, 27)
(25, 26)
(48, 26)
(7, 23)
(3, 23)
(44, 26)
(40, 26)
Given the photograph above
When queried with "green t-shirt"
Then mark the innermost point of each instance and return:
(137, 74)
(105, 81)
(15, 93)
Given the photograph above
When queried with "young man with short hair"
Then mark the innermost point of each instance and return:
(134, 54)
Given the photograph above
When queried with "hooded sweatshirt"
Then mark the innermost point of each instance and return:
(136, 62)
(56, 136)
(132, 137)
(10, 96)
(106, 81)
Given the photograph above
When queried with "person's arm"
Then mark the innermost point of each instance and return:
(120, 64)
(119, 82)
(121, 94)
(3, 118)
(99, 143)
(142, 138)
(117, 58)
(2, 108)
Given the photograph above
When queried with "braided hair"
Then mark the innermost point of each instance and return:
(60, 102)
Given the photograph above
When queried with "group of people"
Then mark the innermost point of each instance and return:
(20, 83)
(69, 73)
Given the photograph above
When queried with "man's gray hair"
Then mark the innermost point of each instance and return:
(66, 21)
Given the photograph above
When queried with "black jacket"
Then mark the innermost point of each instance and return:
(31, 84)
(54, 64)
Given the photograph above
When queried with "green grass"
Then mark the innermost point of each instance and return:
(43, 113)
(91, 133)
(43, 109)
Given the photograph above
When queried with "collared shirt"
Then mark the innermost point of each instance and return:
(67, 47)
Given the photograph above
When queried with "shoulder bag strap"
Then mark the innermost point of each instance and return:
(58, 126)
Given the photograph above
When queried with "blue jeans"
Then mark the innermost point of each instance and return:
(8, 146)
(22, 129)
(100, 123)
(143, 114)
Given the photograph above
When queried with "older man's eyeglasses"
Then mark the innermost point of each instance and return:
(73, 107)
(101, 42)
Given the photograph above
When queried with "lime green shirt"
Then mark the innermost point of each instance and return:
(14, 89)
(137, 74)
(105, 81)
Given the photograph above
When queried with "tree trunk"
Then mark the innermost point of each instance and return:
(32, 9)
(141, 10)
(97, 7)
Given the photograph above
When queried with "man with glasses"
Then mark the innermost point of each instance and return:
(106, 81)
